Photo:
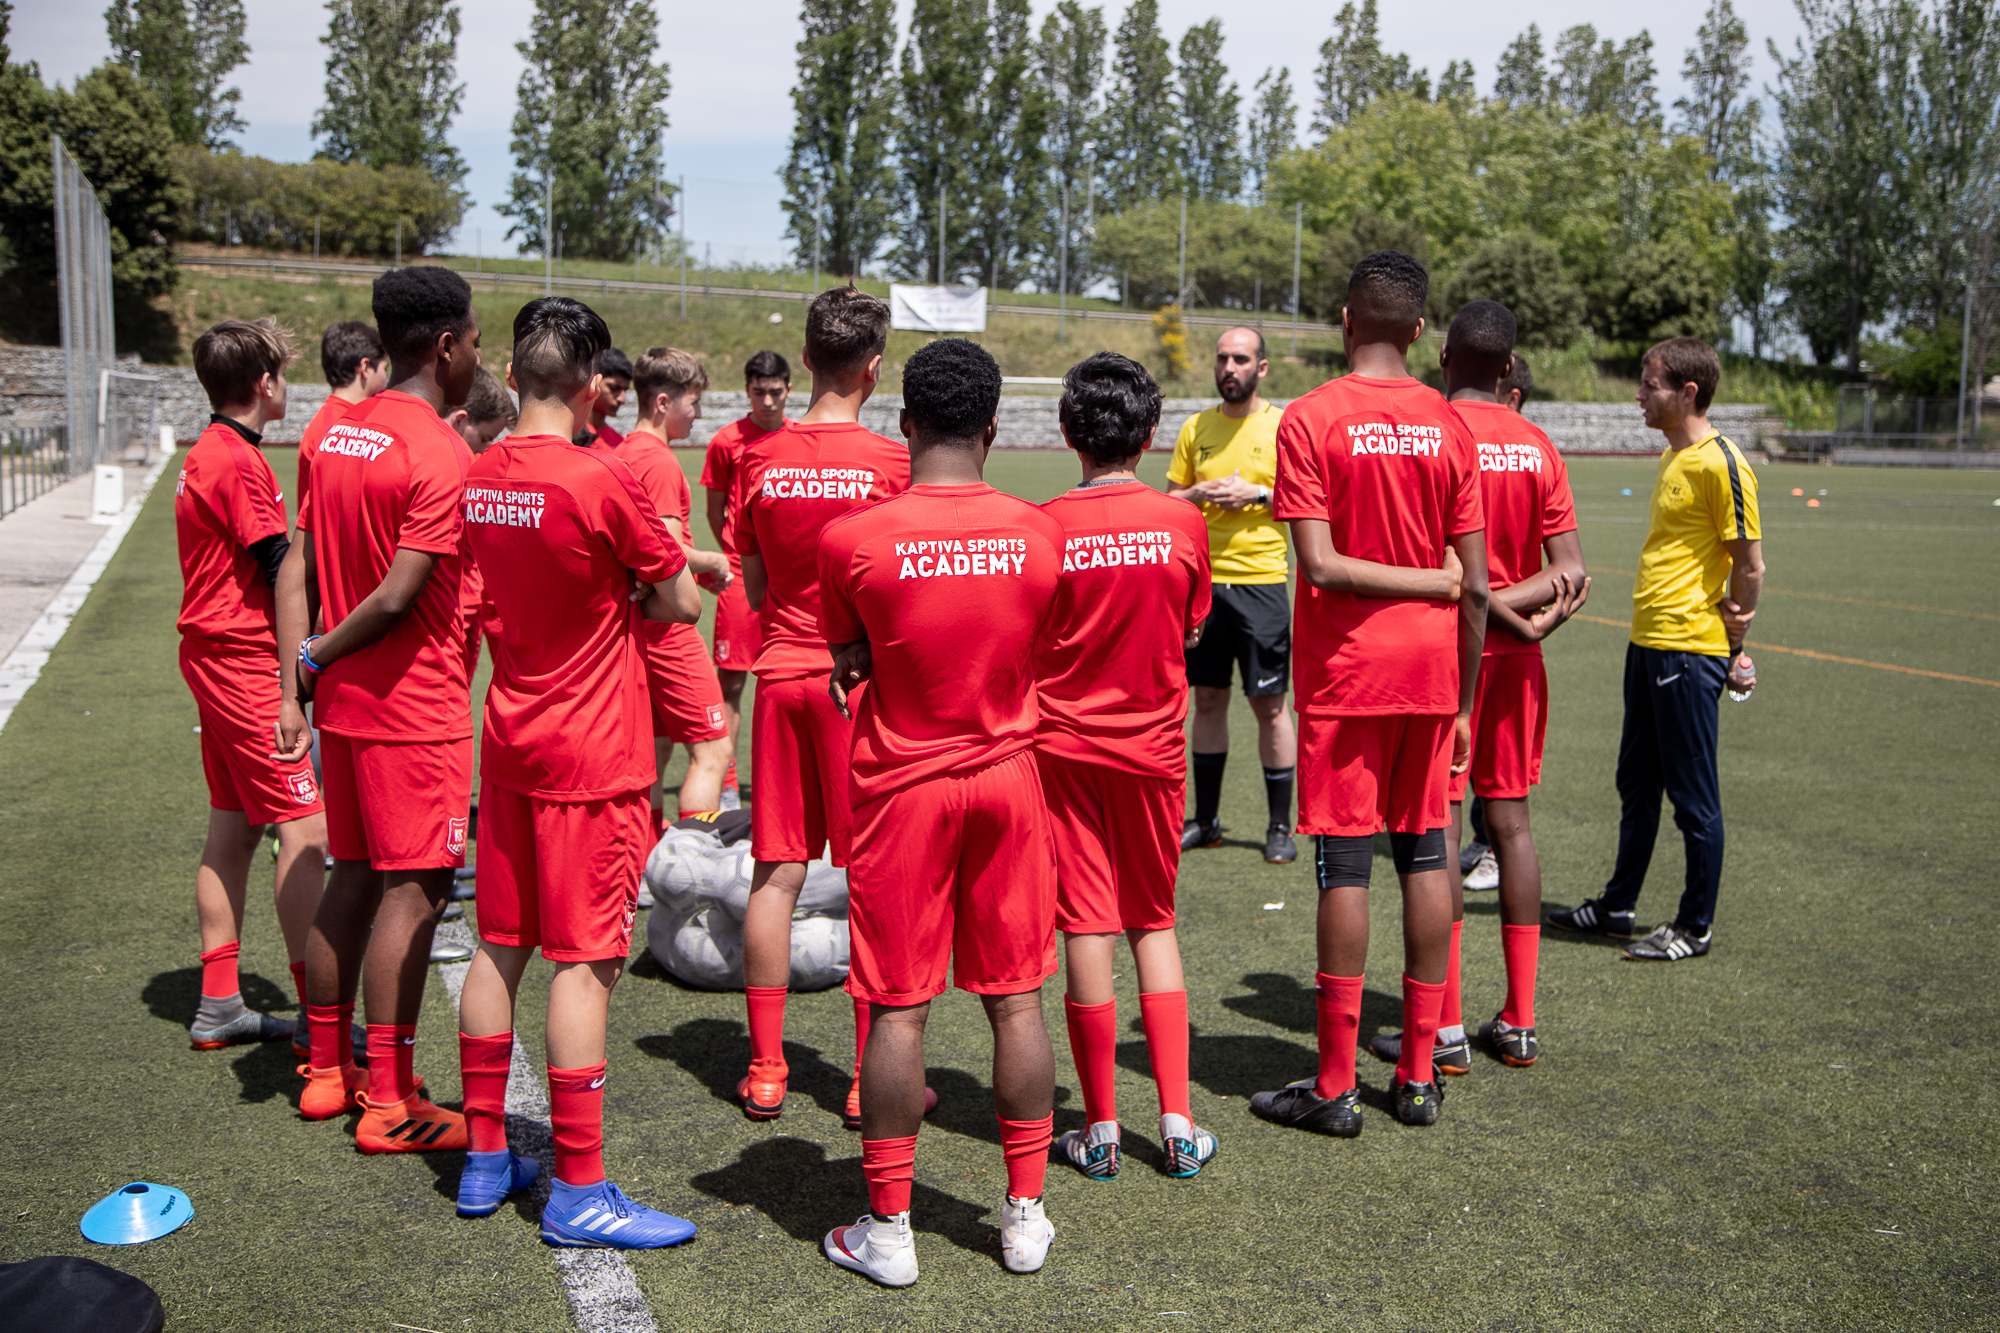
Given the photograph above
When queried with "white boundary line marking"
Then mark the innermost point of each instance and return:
(604, 1297)
(23, 666)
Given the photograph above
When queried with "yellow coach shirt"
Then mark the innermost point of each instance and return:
(1703, 496)
(1247, 545)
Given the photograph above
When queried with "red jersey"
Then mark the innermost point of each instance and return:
(226, 500)
(388, 476)
(608, 435)
(1112, 675)
(652, 461)
(1392, 469)
(952, 587)
(561, 533)
(330, 411)
(718, 472)
(789, 485)
(1524, 489)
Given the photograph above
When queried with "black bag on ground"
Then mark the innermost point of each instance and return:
(61, 1293)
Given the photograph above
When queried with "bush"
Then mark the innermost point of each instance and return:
(1525, 273)
(237, 200)
(1664, 289)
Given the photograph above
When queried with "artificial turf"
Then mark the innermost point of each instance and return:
(1789, 1133)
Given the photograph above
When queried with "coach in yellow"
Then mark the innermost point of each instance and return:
(1699, 577)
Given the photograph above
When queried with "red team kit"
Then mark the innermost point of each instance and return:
(1013, 768)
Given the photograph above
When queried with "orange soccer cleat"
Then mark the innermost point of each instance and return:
(330, 1092)
(416, 1125)
(763, 1099)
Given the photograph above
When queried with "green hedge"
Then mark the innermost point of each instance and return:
(238, 200)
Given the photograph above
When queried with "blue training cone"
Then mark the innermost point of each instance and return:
(139, 1212)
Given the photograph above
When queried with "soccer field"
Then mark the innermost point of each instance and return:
(1788, 1133)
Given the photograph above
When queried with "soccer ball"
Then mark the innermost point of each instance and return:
(701, 891)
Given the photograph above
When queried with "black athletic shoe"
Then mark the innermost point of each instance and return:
(1592, 917)
(1300, 1106)
(1195, 834)
(1669, 944)
(1279, 849)
(1453, 1059)
(1515, 1046)
(1468, 856)
(1418, 1103)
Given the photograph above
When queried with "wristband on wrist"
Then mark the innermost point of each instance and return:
(305, 656)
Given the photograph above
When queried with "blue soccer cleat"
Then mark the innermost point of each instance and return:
(489, 1177)
(600, 1217)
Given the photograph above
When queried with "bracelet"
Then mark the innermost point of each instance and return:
(306, 657)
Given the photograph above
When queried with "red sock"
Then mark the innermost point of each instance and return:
(331, 1038)
(218, 971)
(767, 1031)
(659, 824)
(298, 971)
(889, 1165)
(862, 1013)
(576, 1110)
(1093, 1042)
(1164, 1012)
(392, 1055)
(1522, 945)
(482, 1064)
(1452, 1015)
(729, 778)
(1339, 1029)
(1026, 1145)
(1422, 1003)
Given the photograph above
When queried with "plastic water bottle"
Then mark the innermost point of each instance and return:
(1750, 673)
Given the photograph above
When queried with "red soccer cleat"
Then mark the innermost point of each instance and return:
(330, 1092)
(416, 1125)
(763, 1099)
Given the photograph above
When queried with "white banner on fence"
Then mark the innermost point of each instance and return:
(937, 309)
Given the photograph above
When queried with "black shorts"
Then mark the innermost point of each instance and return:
(1251, 625)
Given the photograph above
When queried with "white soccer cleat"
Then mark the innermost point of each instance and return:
(1485, 875)
(882, 1251)
(1024, 1235)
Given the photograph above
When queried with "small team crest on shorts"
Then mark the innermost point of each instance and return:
(715, 715)
(302, 787)
(454, 836)
(721, 650)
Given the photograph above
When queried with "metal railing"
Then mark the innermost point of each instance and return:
(34, 460)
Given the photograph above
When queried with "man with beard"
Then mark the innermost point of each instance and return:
(1226, 462)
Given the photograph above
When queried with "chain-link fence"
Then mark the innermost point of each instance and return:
(83, 294)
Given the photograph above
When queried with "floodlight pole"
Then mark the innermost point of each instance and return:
(1180, 292)
(819, 210)
(1062, 275)
(399, 242)
(684, 247)
(1298, 238)
(315, 238)
(940, 266)
(1964, 364)
(548, 233)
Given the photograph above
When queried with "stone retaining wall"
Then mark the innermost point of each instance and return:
(31, 394)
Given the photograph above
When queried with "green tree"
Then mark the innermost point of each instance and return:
(840, 184)
(1716, 71)
(1456, 83)
(591, 106)
(1235, 252)
(1665, 289)
(1607, 78)
(1011, 213)
(1211, 115)
(1141, 138)
(346, 208)
(183, 51)
(1521, 78)
(1274, 126)
(1069, 64)
(1353, 69)
(1949, 128)
(390, 98)
(1523, 272)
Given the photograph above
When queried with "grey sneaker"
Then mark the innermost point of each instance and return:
(1592, 917)
(1095, 1152)
(1189, 1146)
(248, 1026)
(1447, 1057)
(1669, 944)
(1485, 873)
(450, 951)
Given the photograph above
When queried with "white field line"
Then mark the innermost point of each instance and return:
(23, 666)
(604, 1297)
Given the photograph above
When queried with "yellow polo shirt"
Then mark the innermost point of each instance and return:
(1703, 496)
(1247, 545)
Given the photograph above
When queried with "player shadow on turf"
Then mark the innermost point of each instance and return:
(716, 1052)
(267, 1070)
(1282, 1001)
(793, 1183)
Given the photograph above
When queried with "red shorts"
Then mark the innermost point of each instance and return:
(398, 805)
(1117, 837)
(739, 631)
(561, 874)
(958, 870)
(1510, 716)
(681, 685)
(800, 746)
(1361, 775)
(236, 696)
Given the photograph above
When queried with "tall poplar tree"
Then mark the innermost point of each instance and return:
(1069, 63)
(1274, 125)
(591, 106)
(840, 181)
(1521, 79)
(182, 52)
(1353, 69)
(1608, 78)
(390, 95)
(1141, 136)
(1211, 117)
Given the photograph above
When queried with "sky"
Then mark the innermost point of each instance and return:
(732, 71)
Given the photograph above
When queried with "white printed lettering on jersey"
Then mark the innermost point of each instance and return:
(1510, 458)
(1107, 550)
(355, 442)
(1394, 437)
(818, 483)
(504, 508)
(181, 484)
(955, 556)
